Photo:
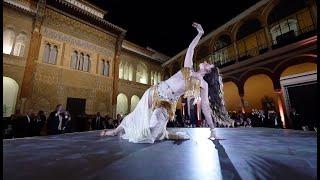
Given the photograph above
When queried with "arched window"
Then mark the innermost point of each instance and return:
(80, 64)
(130, 73)
(8, 40)
(121, 70)
(152, 83)
(155, 78)
(74, 59)
(86, 63)
(53, 54)
(282, 28)
(141, 74)
(46, 53)
(20, 45)
(103, 63)
(105, 67)
(159, 77)
(126, 72)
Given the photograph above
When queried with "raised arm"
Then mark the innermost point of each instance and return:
(188, 59)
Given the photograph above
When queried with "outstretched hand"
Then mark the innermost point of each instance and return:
(198, 27)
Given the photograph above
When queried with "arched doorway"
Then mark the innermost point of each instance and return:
(134, 101)
(10, 93)
(122, 104)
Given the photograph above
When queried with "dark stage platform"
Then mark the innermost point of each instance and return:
(247, 153)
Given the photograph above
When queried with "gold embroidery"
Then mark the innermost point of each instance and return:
(157, 102)
(192, 84)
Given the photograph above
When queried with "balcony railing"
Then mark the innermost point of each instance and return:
(293, 28)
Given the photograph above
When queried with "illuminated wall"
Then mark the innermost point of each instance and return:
(300, 68)
(231, 96)
(255, 88)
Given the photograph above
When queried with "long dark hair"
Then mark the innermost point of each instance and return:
(215, 93)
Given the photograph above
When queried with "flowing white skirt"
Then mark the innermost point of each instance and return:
(144, 125)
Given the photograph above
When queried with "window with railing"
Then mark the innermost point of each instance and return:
(224, 56)
(286, 30)
(252, 45)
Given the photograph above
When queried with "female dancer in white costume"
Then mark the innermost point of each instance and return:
(148, 121)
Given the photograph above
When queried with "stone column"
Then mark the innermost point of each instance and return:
(236, 51)
(242, 103)
(134, 73)
(23, 105)
(269, 39)
(129, 103)
(116, 73)
(149, 75)
(96, 70)
(280, 103)
(313, 10)
(35, 42)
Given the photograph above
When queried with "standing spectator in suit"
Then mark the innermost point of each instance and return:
(18, 126)
(97, 122)
(40, 121)
(30, 124)
(296, 119)
(55, 121)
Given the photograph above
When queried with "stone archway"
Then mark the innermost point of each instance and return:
(10, 93)
(257, 87)
(122, 104)
(134, 101)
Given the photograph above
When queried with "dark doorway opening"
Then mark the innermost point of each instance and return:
(303, 99)
(76, 108)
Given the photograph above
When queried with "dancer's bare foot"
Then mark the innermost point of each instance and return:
(103, 132)
(213, 135)
(108, 133)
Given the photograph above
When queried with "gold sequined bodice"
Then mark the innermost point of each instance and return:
(192, 85)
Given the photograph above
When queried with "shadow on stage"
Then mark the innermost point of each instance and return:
(228, 171)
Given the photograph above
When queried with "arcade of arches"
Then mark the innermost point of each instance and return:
(259, 86)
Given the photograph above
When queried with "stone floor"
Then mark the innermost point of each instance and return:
(247, 153)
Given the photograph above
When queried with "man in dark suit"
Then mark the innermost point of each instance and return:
(19, 126)
(29, 119)
(40, 121)
(55, 121)
(97, 122)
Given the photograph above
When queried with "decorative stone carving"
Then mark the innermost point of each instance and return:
(78, 29)
(50, 33)
(47, 74)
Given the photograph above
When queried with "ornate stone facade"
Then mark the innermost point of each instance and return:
(50, 84)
